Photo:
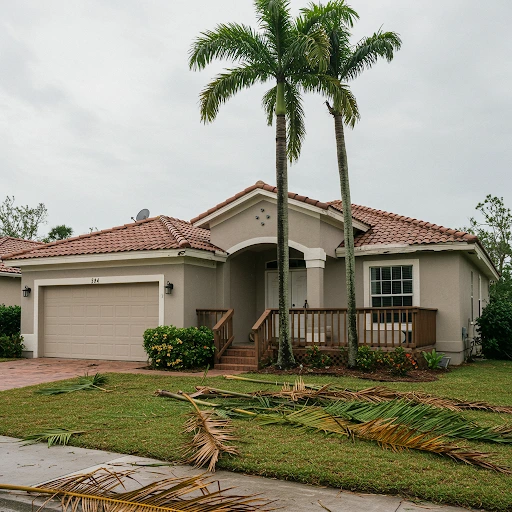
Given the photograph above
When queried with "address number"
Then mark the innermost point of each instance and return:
(95, 280)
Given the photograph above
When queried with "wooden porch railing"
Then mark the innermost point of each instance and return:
(222, 320)
(384, 328)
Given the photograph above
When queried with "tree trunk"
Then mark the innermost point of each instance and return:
(350, 263)
(285, 357)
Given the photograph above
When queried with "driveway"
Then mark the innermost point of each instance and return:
(27, 372)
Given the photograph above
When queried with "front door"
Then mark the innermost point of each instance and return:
(297, 289)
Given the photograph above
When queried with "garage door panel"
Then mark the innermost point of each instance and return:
(99, 321)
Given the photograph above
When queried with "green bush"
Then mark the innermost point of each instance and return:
(400, 362)
(10, 320)
(11, 346)
(315, 358)
(365, 359)
(433, 359)
(172, 348)
(495, 328)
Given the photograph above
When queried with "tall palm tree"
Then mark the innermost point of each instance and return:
(347, 62)
(293, 60)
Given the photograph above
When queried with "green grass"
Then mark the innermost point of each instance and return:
(5, 359)
(131, 420)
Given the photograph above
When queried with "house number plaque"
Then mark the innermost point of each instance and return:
(95, 280)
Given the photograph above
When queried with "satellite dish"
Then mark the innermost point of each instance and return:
(143, 214)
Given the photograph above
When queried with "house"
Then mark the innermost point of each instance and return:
(419, 285)
(10, 277)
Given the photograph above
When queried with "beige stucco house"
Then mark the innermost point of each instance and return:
(10, 277)
(419, 285)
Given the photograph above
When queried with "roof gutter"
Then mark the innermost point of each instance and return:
(384, 249)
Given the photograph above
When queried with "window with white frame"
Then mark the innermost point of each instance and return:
(391, 286)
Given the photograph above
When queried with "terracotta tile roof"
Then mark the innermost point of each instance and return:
(145, 235)
(263, 186)
(390, 228)
(9, 244)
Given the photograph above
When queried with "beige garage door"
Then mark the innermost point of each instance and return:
(98, 321)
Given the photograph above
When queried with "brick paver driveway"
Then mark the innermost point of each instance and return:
(27, 372)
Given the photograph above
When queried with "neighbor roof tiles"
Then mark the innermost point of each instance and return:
(9, 244)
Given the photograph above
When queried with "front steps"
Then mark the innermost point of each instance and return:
(239, 357)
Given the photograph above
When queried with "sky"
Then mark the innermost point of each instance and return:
(99, 113)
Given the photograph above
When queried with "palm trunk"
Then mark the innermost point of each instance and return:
(350, 263)
(285, 357)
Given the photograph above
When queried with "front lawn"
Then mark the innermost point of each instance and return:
(131, 420)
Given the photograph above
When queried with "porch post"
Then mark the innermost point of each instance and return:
(315, 264)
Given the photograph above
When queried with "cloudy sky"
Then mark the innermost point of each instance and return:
(99, 113)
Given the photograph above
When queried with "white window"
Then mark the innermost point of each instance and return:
(391, 283)
(391, 286)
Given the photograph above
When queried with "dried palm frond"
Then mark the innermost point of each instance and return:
(422, 417)
(211, 433)
(96, 492)
(51, 436)
(84, 383)
(398, 437)
(380, 394)
(383, 431)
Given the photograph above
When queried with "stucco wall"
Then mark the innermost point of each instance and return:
(10, 291)
(179, 306)
(305, 228)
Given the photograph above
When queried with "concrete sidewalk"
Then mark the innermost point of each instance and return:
(35, 464)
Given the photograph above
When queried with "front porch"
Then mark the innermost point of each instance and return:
(412, 328)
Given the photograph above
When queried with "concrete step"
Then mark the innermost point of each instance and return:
(239, 367)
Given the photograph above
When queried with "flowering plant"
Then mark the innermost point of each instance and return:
(401, 361)
(315, 358)
(172, 348)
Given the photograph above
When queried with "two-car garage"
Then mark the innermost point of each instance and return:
(97, 321)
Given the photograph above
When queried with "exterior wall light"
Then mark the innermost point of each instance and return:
(26, 291)
(168, 288)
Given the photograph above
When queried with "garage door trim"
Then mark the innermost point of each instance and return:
(32, 342)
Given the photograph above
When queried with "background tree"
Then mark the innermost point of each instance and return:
(346, 63)
(495, 233)
(21, 221)
(293, 60)
(60, 232)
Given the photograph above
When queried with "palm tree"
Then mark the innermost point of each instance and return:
(346, 63)
(293, 60)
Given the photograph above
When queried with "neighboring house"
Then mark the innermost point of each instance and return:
(10, 277)
(418, 284)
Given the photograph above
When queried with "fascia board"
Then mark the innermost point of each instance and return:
(122, 256)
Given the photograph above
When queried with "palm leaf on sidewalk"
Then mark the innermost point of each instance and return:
(96, 492)
(211, 435)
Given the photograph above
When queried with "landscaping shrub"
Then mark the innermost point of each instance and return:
(11, 346)
(170, 347)
(495, 328)
(400, 362)
(315, 358)
(10, 320)
(433, 359)
(365, 359)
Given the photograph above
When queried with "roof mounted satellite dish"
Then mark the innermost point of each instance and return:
(143, 214)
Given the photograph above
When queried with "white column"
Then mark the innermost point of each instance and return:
(315, 264)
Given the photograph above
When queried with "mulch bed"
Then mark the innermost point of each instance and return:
(381, 375)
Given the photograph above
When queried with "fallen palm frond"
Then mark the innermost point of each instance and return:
(383, 431)
(424, 418)
(84, 383)
(380, 394)
(96, 492)
(51, 436)
(211, 433)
